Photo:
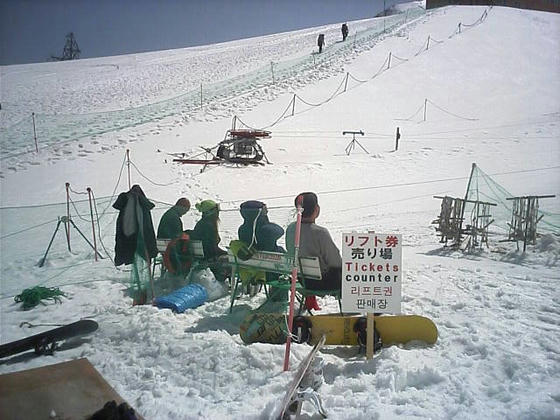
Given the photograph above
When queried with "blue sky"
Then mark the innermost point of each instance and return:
(32, 30)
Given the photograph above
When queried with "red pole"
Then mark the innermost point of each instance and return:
(67, 224)
(128, 164)
(299, 205)
(92, 224)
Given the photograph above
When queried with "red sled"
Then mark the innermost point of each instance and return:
(248, 133)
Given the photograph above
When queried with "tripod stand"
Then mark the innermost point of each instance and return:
(353, 142)
(66, 220)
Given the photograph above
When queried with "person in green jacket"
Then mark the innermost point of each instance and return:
(170, 224)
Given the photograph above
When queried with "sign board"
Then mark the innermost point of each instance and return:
(371, 272)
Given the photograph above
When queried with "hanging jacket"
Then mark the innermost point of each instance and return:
(135, 230)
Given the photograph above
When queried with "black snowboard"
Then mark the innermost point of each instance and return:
(46, 342)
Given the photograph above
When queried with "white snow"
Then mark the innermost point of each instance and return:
(493, 94)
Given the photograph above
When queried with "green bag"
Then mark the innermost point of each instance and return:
(241, 250)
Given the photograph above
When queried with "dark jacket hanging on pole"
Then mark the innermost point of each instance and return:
(135, 230)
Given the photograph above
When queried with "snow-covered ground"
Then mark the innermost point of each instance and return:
(492, 92)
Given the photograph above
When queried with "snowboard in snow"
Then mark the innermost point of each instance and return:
(338, 329)
(302, 369)
(46, 342)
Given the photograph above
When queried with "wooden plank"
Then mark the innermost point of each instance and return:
(161, 244)
(277, 262)
(73, 390)
(198, 249)
(310, 268)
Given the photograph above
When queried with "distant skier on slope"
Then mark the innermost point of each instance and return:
(321, 42)
(344, 30)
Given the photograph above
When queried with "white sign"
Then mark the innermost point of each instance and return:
(371, 272)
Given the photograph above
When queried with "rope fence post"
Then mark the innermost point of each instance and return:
(389, 63)
(428, 43)
(459, 27)
(272, 70)
(34, 132)
(67, 221)
(294, 105)
(397, 137)
(425, 106)
(92, 223)
(128, 166)
(233, 122)
(346, 81)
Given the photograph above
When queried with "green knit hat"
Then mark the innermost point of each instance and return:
(206, 206)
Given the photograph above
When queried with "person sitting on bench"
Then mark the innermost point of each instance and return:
(316, 241)
(259, 232)
(170, 224)
(206, 230)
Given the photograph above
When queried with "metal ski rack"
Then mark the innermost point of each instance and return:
(524, 219)
(452, 215)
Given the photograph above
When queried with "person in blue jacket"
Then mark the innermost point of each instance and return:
(259, 232)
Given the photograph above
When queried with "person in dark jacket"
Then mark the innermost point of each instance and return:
(206, 230)
(344, 30)
(170, 224)
(135, 230)
(321, 42)
(257, 229)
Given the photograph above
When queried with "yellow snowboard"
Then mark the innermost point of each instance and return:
(342, 330)
(338, 329)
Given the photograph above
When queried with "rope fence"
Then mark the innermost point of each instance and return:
(57, 130)
(104, 226)
(384, 67)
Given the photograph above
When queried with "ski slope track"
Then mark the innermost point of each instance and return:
(488, 94)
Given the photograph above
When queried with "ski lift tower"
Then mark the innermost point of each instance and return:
(71, 50)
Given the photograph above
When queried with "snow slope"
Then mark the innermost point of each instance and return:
(492, 95)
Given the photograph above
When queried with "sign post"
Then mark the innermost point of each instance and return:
(371, 276)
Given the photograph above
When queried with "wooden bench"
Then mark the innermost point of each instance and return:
(198, 254)
(279, 263)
